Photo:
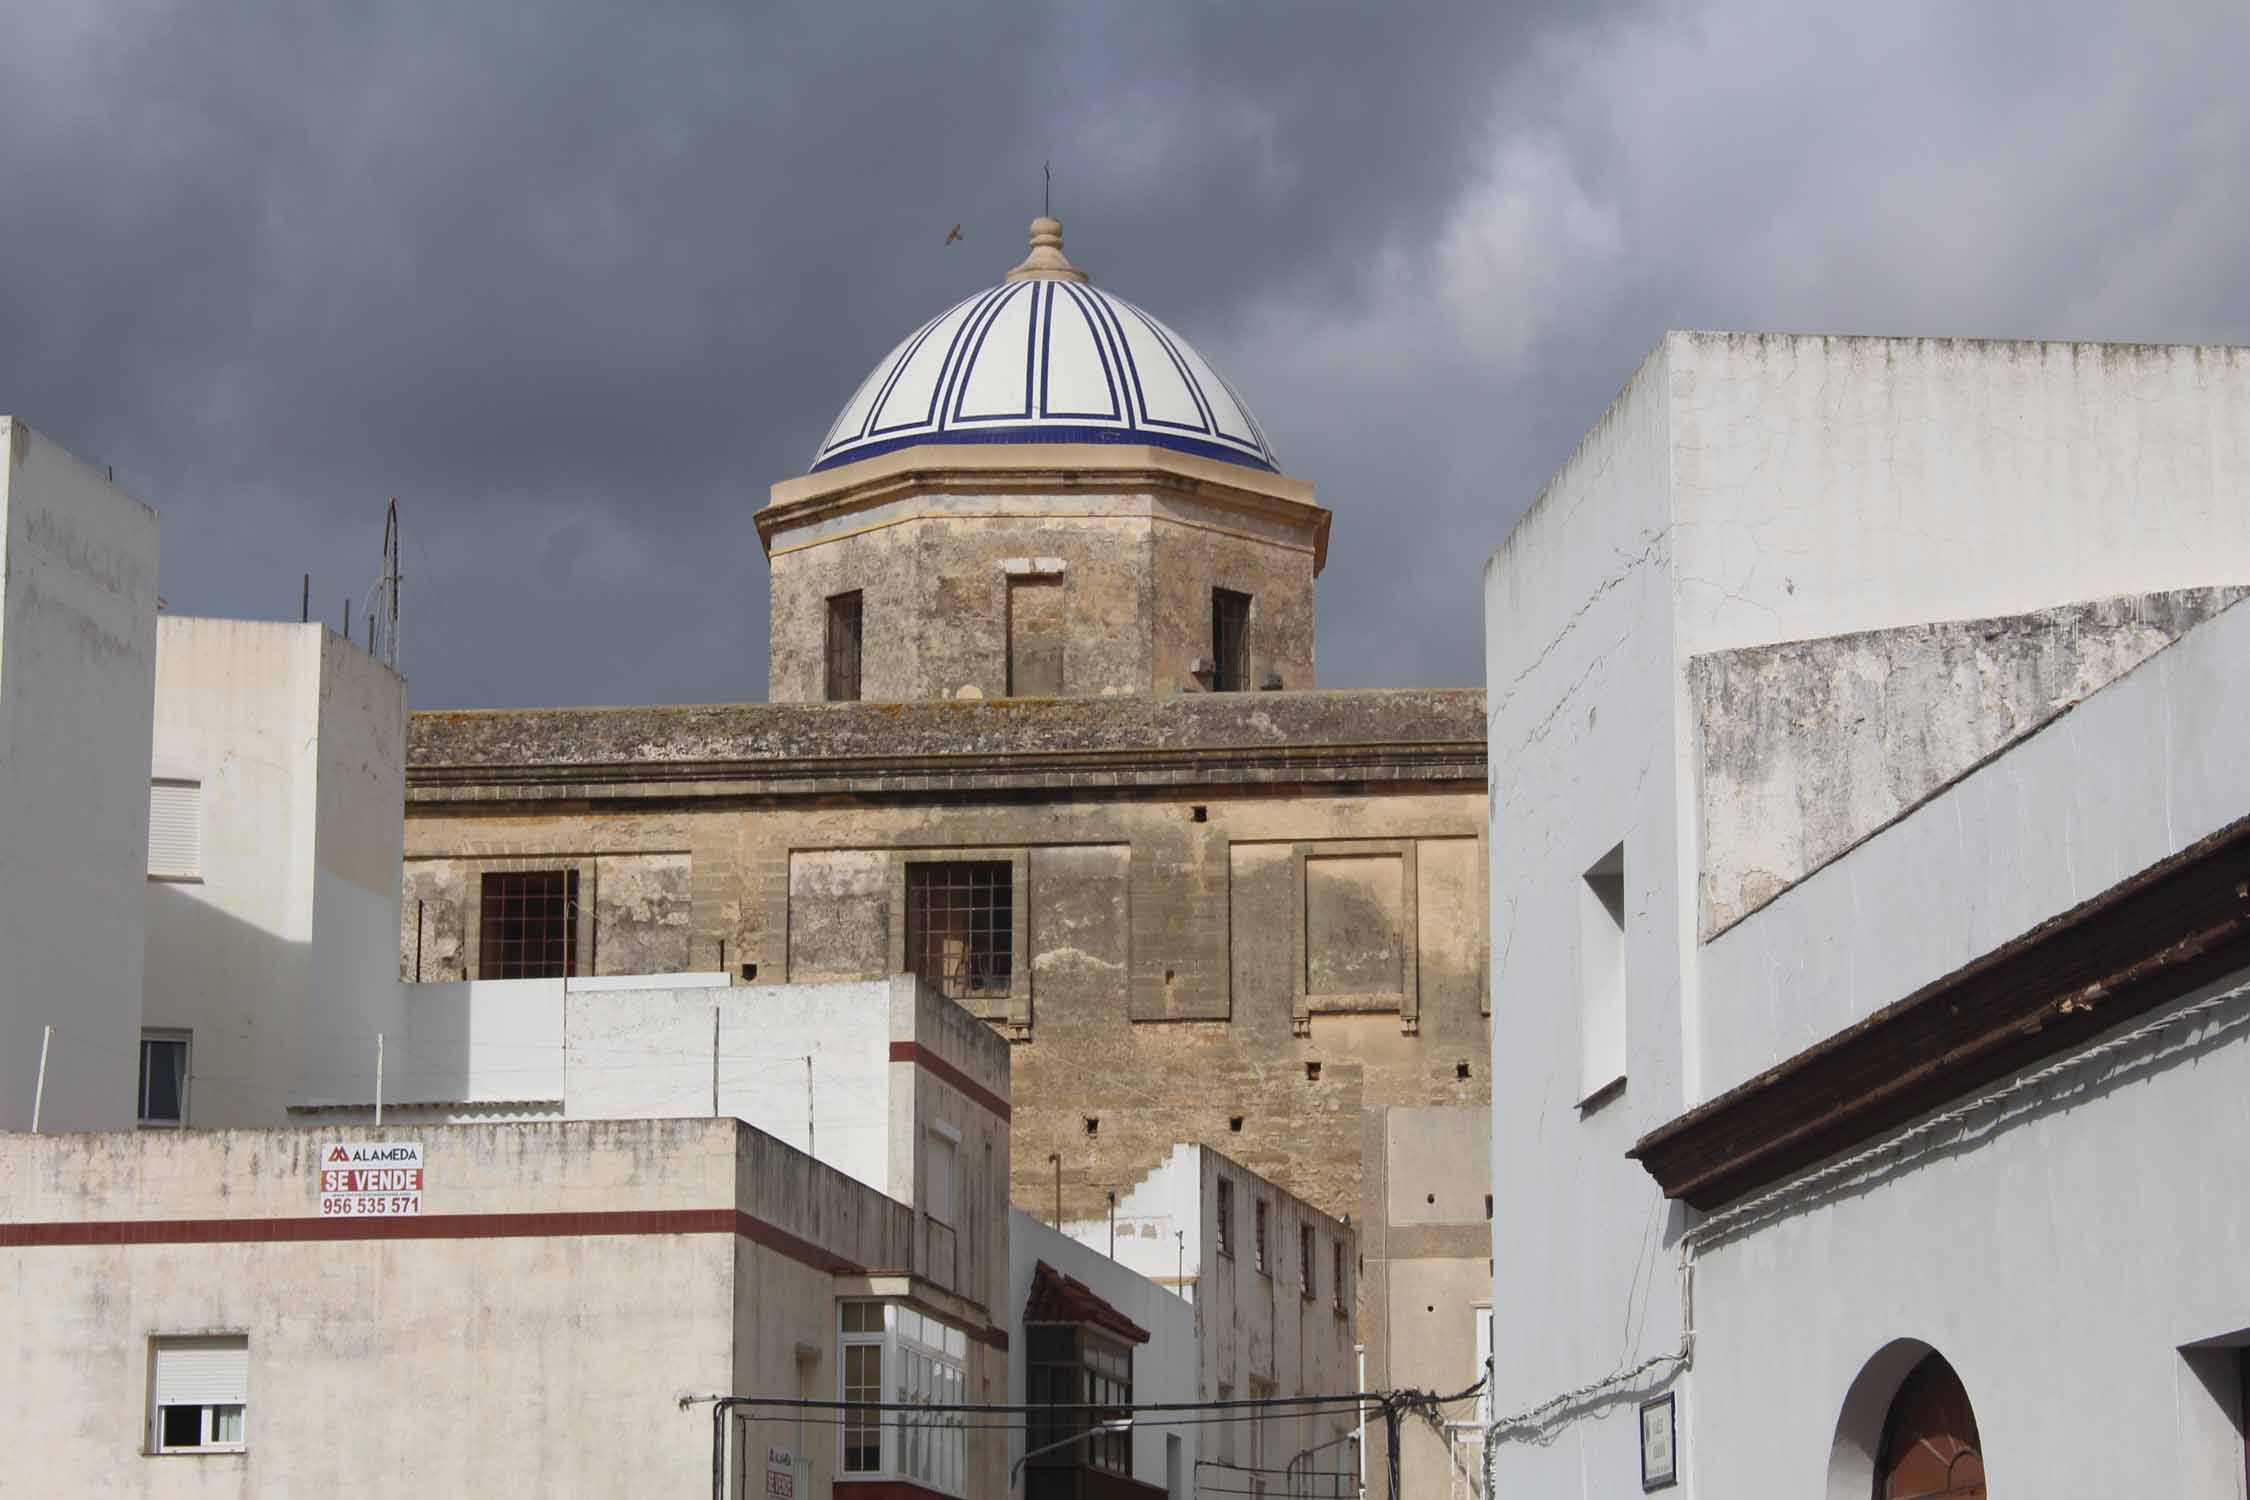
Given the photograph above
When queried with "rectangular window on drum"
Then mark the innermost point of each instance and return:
(844, 647)
(1230, 641)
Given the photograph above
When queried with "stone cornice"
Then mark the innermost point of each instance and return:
(1040, 469)
(1052, 747)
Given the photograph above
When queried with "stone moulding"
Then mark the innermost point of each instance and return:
(1039, 469)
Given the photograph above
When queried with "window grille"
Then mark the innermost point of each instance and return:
(1226, 1217)
(1265, 1265)
(844, 647)
(1305, 1266)
(960, 925)
(1341, 1278)
(529, 925)
(1230, 641)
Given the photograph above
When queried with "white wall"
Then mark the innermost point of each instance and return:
(2060, 1262)
(1743, 490)
(280, 954)
(1159, 1224)
(77, 652)
(1164, 1368)
(1580, 659)
(634, 1047)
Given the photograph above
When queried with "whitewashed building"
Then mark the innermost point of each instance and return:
(77, 657)
(276, 771)
(1272, 1281)
(1871, 921)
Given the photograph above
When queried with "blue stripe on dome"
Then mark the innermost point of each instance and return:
(969, 348)
(1049, 432)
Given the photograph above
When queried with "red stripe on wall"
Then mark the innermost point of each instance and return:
(922, 1057)
(451, 1227)
(427, 1227)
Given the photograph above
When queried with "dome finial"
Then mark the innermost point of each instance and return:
(1046, 262)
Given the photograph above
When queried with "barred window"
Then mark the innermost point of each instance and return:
(529, 925)
(1265, 1265)
(1305, 1264)
(960, 925)
(1225, 1227)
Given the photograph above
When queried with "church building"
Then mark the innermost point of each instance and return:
(1044, 730)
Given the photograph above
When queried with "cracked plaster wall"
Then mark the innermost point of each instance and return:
(1807, 747)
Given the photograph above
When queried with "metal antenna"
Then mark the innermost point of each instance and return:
(382, 597)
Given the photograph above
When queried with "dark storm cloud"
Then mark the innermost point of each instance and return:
(576, 286)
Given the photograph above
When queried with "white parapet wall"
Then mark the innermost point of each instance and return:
(77, 651)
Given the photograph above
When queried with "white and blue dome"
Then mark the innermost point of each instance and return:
(1046, 358)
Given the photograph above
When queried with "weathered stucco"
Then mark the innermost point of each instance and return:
(549, 1322)
(1807, 747)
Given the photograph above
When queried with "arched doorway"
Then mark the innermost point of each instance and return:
(1930, 1449)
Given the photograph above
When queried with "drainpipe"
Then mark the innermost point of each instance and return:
(1360, 1352)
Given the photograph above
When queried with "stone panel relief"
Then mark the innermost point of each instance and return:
(641, 909)
(1355, 933)
(1450, 904)
(433, 923)
(839, 914)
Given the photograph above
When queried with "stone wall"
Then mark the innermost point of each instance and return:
(1131, 541)
(1240, 920)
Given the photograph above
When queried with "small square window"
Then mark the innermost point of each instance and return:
(199, 1394)
(164, 1079)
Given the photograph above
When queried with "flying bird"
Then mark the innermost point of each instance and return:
(956, 234)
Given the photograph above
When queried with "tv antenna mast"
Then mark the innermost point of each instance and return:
(382, 598)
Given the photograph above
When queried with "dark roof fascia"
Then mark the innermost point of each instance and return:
(2148, 940)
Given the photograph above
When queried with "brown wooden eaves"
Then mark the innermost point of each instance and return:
(2167, 931)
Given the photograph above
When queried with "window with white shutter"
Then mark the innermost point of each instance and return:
(175, 829)
(199, 1392)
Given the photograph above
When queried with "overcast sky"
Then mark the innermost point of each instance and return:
(576, 284)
